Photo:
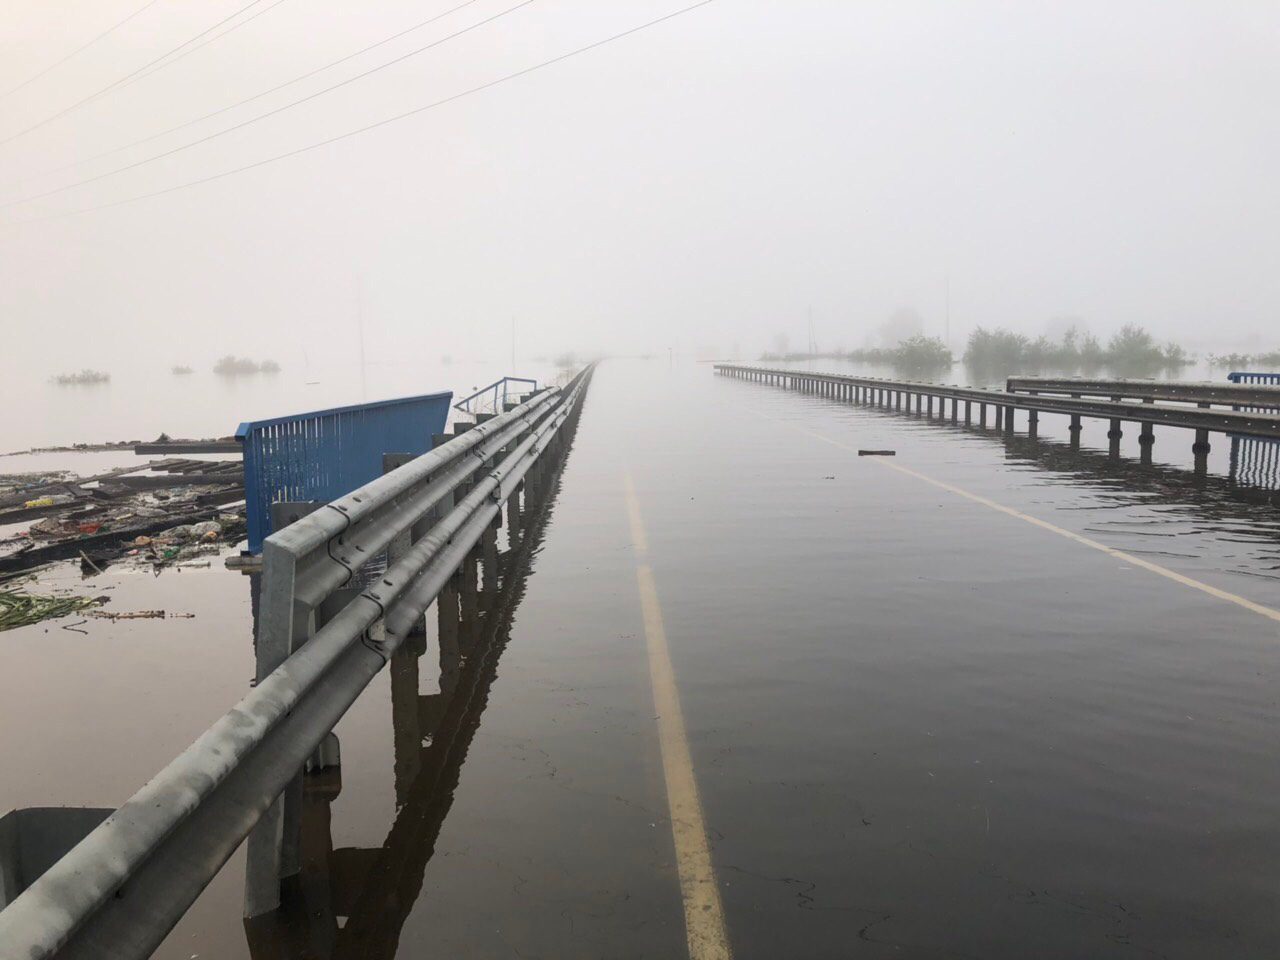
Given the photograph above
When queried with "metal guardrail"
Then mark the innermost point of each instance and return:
(1224, 421)
(466, 405)
(327, 453)
(119, 891)
(1199, 391)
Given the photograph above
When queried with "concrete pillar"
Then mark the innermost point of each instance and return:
(1008, 420)
(968, 412)
(929, 405)
(1033, 423)
(982, 415)
(955, 409)
(999, 418)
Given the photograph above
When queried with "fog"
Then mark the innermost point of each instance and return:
(705, 185)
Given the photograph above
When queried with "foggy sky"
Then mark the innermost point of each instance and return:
(699, 185)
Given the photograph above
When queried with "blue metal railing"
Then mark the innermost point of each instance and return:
(467, 404)
(1254, 462)
(325, 454)
(1241, 376)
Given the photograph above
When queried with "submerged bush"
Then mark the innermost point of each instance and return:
(233, 366)
(1131, 351)
(84, 376)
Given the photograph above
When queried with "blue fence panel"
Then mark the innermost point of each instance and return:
(1254, 462)
(328, 453)
(1241, 376)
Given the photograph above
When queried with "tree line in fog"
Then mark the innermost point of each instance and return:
(995, 352)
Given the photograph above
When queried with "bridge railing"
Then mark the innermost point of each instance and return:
(322, 637)
(326, 453)
(497, 393)
(1254, 394)
(1263, 424)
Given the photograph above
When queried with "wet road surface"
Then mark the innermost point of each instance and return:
(916, 723)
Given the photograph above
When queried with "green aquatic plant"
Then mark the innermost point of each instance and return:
(21, 609)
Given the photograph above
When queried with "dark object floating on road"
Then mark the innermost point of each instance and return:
(877, 453)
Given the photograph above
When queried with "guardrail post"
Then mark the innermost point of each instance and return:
(1201, 450)
(1115, 433)
(269, 858)
(1146, 439)
(401, 544)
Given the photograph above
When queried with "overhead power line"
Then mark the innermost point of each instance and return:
(128, 76)
(199, 46)
(381, 123)
(257, 96)
(80, 49)
(270, 113)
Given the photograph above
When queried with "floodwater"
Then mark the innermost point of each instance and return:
(921, 724)
(139, 404)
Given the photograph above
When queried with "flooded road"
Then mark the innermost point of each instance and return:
(920, 716)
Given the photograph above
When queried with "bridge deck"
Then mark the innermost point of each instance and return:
(989, 697)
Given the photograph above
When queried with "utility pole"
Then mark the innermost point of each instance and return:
(948, 312)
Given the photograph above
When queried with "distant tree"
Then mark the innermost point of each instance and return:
(233, 366)
(997, 352)
(921, 355)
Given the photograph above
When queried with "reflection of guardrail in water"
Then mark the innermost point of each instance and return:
(326, 453)
(120, 890)
(500, 390)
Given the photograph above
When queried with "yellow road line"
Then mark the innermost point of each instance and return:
(1052, 528)
(703, 916)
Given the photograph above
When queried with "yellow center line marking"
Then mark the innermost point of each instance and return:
(1155, 568)
(703, 916)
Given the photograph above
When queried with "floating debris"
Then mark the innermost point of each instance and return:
(21, 609)
(140, 615)
(877, 453)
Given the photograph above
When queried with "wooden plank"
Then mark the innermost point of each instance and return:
(189, 446)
